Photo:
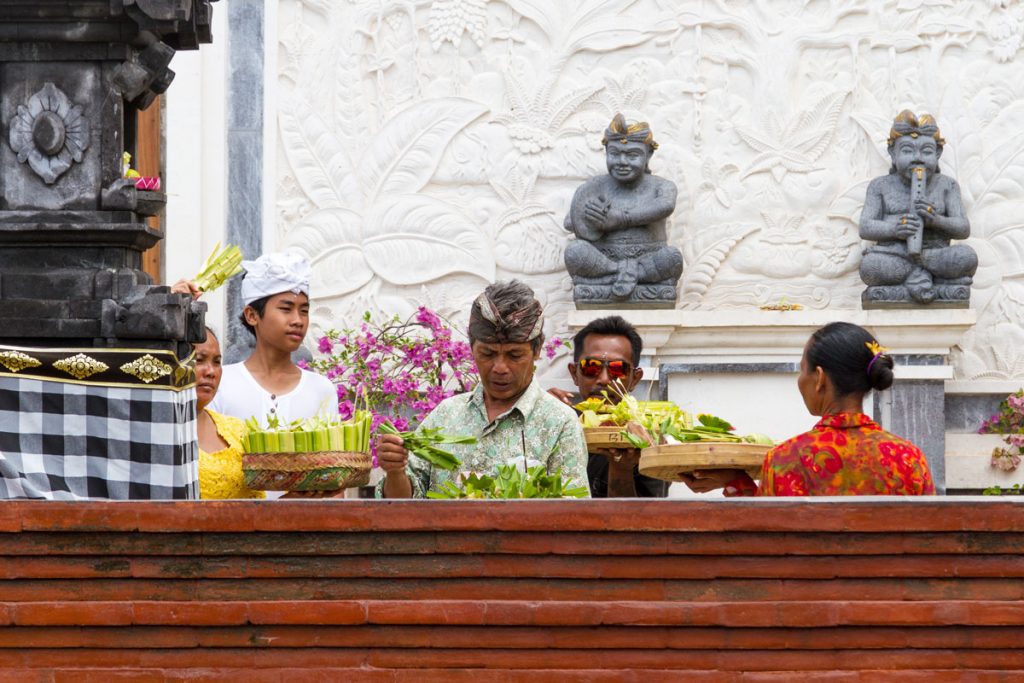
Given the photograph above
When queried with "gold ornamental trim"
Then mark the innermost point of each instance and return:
(16, 361)
(147, 368)
(81, 366)
(106, 367)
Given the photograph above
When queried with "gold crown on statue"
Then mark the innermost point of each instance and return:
(908, 123)
(638, 131)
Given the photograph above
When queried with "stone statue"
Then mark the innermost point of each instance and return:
(912, 214)
(620, 253)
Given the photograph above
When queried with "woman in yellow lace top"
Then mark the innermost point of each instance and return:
(220, 436)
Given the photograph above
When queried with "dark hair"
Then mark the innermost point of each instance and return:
(211, 333)
(612, 325)
(841, 350)
(509, 297)
(260, 305)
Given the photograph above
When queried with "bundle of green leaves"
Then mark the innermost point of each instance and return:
(423, 444)
(511, 482)
(313, 434)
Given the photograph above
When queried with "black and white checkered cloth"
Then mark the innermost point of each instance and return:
(67, 441)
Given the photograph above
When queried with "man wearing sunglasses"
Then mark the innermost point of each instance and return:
(607, 352)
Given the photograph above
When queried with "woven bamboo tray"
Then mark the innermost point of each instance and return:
(320, 471)
(605, 437)
(667, 461)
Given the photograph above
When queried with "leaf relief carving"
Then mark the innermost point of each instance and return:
(405, 153)
(416, 238)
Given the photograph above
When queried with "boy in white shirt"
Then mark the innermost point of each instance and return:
(275, 290)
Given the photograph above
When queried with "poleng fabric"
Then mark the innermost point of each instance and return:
(79, 424)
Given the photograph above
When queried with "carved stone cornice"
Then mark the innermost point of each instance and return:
(182, 24)
(779, 336)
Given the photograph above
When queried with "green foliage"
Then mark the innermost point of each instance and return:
(423, 444)
(1014, 490)
(312, 434)
(711, 423)
(508, 483)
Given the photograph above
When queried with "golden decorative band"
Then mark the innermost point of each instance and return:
(103, 367)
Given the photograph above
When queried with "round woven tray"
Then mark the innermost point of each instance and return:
(320, 471)
(667, 461)
(605, 437)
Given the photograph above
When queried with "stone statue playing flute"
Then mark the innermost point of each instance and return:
(912, 214)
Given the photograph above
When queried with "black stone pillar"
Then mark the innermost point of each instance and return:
(73, 75)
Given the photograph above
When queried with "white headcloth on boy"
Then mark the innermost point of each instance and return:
(285, 271)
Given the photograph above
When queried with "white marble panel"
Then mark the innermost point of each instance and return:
(427, 147)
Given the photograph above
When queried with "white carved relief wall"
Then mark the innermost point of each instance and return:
(427, 147)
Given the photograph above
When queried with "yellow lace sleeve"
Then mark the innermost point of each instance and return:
(220, 473)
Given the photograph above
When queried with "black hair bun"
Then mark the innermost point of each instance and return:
(880, 376)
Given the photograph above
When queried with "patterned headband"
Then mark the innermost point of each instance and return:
(624, 132)
(487, 324)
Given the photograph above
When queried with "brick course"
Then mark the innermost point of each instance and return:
(858, 591)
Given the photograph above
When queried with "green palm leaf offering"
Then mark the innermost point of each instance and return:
(220, 266)
(659, 419)
(423, 444)
(315, 434)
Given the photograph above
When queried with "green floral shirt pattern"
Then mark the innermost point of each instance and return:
(547, 429)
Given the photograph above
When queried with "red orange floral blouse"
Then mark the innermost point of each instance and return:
(846, 454)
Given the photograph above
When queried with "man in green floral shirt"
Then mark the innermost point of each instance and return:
(512, 419)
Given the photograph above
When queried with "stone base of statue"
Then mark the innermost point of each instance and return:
(636, 275)
(601, 294)
(942, 294)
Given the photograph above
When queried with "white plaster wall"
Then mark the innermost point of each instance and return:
(424, 148)
(418, 150)
(195, 163)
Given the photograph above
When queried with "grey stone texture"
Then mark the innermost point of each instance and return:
(912, 214)
(917, 413)
(966, 412)
(73, 75)
(620, 255)
(245, 156)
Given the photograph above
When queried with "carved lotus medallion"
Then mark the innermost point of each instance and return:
(50, 133)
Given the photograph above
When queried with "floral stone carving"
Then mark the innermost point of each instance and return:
(50, 133)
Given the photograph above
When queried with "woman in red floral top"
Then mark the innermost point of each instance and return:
(846, 453)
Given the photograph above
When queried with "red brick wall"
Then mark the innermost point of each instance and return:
(764, 591)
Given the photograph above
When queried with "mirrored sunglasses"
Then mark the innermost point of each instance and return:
(617, 369)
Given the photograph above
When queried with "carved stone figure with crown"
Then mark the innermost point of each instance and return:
(912, 214)
(620, 254)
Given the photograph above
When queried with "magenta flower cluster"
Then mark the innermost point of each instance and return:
(552, 345)
(1010, 422)
(399, 370)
